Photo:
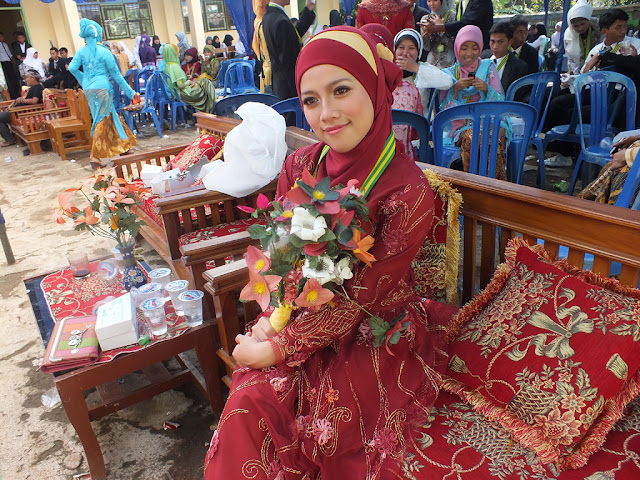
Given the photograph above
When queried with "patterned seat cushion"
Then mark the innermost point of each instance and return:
(218, 231)
(550, 352)
(146, 200)
(204, 146)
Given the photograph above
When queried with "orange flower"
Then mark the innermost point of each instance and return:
(364, 244)
(313, 295)
(89, 218)
(259, 288)
(257, 260)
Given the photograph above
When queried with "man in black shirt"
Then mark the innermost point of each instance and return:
(19, 47)
(283, 43)
(519, 46)
(33, 97)
(55, 69)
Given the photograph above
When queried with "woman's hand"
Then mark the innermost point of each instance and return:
(618, 159)
(461, 85)
(625, 142)
(590, 65)
(262, 330)
(480, 85)
(251, 352)
(408, 64)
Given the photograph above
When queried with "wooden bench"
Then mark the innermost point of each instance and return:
(28, 122)
(494, 211)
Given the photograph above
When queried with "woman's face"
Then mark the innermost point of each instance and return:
(35, 54)
(216, 39)
(156, 41)
(188, 57)
(469, 53)
(434, 5)
(207, 54)
(337, 106)
(580, 25)
(407, 48)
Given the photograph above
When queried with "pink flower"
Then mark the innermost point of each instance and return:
(386, 441)
(262, 202)
(322, 431)
(302, 423)
(259, 288)
(257, 260)
(313, 295)
(279, 384)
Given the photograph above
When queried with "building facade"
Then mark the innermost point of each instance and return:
(57, 23)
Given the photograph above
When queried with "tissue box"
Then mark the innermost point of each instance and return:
(148, 172)
(117, 324)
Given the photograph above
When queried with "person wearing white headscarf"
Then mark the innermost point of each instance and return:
(135, 56)
(422, 75)
(439, 45)
(555, 38)
(580, 36)
(32, 62)
(183, 45)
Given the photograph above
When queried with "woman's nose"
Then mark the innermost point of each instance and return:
(328, 110)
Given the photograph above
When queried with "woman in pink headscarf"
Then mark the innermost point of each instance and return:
(475, 80)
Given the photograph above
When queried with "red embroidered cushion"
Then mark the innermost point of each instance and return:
(550, 352)
(203, 146)
(48, 99)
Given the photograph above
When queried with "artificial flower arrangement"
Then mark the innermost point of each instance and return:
(314, 241)
(108, 212)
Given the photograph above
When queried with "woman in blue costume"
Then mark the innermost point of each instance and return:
(110, 135)
(475, 80)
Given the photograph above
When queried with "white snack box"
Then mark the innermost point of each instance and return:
(117, 324)
(148, 172)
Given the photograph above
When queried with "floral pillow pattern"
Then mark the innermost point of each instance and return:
(204, 146)
(550, 352)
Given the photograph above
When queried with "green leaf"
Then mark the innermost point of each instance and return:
(297, 241)
(327, 236)
(395, 338)
(257, 232)
(378, 326)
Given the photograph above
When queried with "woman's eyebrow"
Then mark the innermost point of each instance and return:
(331, 84)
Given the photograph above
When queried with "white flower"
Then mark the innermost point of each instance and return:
(305, 226)
(356, 192)
(342, 271)
(283, 238)
(323, 271)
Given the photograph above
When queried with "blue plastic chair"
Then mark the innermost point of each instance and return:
(130, 76)
(238, 79)
(421, 124)
(143, 75)
(119, 102)
(293, 105)
(154, 84)
(225, 65)
(602, 86)
(227, 106)
(165, 96)
(485, 117)
(539, 83)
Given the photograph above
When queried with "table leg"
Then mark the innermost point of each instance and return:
(206, 351)
(78, 413)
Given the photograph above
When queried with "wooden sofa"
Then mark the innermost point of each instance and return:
(166, 226)
(495, 211)
(28, 123)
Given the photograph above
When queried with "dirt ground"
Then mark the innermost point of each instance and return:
(37, 442)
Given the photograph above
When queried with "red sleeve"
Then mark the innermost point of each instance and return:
(405, 219)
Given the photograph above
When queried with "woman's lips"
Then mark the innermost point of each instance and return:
(334, 130)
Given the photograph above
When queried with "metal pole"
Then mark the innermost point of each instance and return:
(8, 253)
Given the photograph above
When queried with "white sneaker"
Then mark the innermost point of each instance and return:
(558, 161)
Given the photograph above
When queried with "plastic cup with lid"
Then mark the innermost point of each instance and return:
(191, 301)
(145, 292)
(161, 276)
(175, 288)
(153, 310)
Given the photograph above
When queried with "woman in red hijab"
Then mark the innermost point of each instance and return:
(318, 399)
(396, 15)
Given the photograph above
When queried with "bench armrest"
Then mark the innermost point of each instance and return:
(217, 248)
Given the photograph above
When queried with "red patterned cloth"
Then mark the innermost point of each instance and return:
(456, 442)
(204, 146)
(71, 297)
(218, 231)
(550, 352)
(146, 201)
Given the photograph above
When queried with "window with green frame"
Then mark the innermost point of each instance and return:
(215, 15)
(119, 18)
(185, 16)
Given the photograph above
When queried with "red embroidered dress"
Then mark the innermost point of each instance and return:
(396, 15)
(334, 404)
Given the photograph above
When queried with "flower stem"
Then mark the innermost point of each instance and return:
(346, 297)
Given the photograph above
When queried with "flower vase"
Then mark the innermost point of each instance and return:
(132, 274)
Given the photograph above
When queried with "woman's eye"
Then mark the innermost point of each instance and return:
(341, 90)
(308, 100)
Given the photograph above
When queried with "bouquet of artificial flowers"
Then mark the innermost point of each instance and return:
(313, 240)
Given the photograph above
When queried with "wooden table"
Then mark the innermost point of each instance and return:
(73, 384)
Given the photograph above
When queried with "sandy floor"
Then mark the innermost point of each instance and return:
(40, 443)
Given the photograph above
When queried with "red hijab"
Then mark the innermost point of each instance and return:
(355, 52)
(379, 34)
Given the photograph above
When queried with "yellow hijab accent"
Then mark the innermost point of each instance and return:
(352, 40)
